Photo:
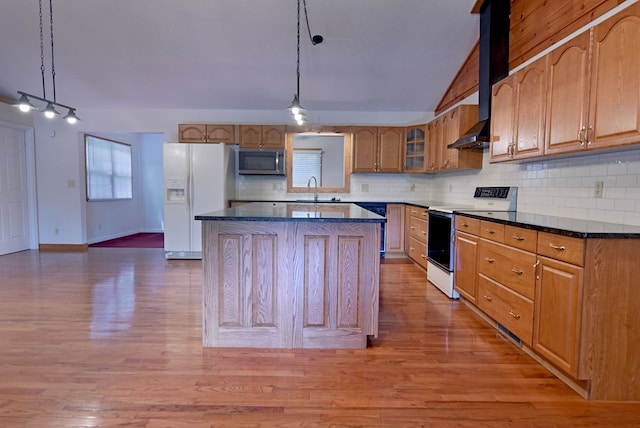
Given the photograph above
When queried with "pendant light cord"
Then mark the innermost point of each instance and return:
(298, 57)
(44, 92)
(306, 18)
(53, 67)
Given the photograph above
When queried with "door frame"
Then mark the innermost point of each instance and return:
(30, 157)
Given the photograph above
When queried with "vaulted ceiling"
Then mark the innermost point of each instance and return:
(377, 55)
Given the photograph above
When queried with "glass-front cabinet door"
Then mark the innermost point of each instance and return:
(414, 158)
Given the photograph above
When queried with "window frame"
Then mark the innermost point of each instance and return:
(111, 173)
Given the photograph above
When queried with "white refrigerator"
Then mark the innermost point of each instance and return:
(198, 178)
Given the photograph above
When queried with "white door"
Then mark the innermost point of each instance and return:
(14, 197)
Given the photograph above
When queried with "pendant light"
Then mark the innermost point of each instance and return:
(24, 103)
(296, 109)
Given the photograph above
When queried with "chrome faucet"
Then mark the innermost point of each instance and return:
(315, 193)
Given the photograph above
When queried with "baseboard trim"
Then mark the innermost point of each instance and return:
(64, 247)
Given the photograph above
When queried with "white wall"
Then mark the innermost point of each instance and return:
(59, 155)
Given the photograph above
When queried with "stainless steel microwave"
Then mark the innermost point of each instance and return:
(261, 162)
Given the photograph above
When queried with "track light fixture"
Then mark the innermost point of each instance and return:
(24, 103)
(296, 109)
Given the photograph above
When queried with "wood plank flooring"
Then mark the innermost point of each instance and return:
(111, 337)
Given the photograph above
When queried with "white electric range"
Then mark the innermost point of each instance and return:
(441, 232)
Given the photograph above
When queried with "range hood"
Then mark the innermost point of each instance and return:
(493, 66)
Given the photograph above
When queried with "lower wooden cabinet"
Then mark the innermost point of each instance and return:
(512, 310)
(416, 234)
(558, 303)
(394, 239)
(466, 263)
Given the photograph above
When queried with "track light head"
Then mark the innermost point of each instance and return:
(71, 116)
(24, 104)
(50, 112)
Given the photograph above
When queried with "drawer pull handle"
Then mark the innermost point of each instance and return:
(491, 231)
(424, 232)
(465, 224)
(411, 249)
(412, 228)
(424, 213)
(518, 238)
(558, 247)
(516, 270)
(489, 259)
(413, 211)
(516, 316)
(423, 256)
(489, 298)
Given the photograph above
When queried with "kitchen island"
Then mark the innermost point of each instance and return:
(290, 275)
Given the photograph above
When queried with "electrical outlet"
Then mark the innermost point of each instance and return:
(450, 188)
(597, 189)
(56, 231)
(412, 188)
(364, 187)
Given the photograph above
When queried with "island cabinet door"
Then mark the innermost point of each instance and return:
(245, 285)
(336, 279)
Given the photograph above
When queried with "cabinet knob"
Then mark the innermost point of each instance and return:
(491, 231)
(516, 271)
(489, 259)
(518, 238)
(488, 298)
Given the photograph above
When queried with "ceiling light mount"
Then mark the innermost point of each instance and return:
(24, 103)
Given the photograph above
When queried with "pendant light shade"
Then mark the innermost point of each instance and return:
(71, 116)
(50, 112)
(24, 104)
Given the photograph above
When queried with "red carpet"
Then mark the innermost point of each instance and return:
(139, 240)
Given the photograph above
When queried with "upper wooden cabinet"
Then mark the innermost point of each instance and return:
(415, 149)
(614, 105)
(591, 101)
(262, 136)
(377, 149)
(568, 96)
(206, 133)
(518, 114)
(446, 129)
(364, 146)
(503, 102)
(456, 123)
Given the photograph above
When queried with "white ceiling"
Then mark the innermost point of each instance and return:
(377, 55)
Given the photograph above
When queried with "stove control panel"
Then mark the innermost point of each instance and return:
(492, 192)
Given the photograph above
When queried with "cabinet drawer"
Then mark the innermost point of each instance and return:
(509, 266)
(418, 212)
(418, 229)
(418, 252)
(563, 248)
(510, 309)
(525, 239)
(491, 230)
(468, 224)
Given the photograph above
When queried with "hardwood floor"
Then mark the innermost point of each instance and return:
(111, 337)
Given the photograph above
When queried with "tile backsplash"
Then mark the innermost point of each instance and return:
(565, 187)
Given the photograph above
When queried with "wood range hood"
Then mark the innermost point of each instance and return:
(493, 66)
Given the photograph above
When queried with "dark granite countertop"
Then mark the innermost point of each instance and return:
(560, 225)
(423, 203)
(294, 211)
